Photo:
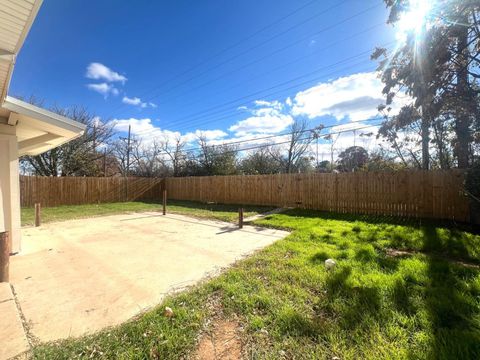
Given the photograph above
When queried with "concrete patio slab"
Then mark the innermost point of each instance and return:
(80, 276)
(13, 340)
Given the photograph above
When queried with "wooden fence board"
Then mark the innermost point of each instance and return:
(55, 191)
(427, 194)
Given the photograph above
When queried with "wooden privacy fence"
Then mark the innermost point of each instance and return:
(54, 191)
(428, 194)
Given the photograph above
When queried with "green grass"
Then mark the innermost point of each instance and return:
(371, 306)
(227, 213)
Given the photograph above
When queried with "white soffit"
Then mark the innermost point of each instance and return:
(16, 18)
(37, 129)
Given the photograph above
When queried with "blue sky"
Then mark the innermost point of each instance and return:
(238, 69)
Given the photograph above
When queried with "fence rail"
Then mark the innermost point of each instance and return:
(427, 194)
(55, 191)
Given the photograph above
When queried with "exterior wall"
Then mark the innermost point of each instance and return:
(9, 186)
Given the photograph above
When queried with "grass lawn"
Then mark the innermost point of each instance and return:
(375, 304)
(227, 213)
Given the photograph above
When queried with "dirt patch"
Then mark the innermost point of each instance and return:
(223, 341)
(401, 253)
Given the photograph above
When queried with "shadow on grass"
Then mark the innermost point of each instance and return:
(364, 302)
(453, 314)
(218, 207)
(383, 219)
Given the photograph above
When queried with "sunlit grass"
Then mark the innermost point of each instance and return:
(227, 213)
(371, 306)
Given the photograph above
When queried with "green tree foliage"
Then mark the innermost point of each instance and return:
(438, 66)
(352, 158)
(216, 160)
(260, 161)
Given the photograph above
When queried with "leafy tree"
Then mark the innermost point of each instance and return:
(352, 158)
(380, 160)
(260, 161)
(216, 160)
(438, 66)
(324, 166)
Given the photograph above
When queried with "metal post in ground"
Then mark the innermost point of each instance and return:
(38, 215)
(240, 218)
(5, 249)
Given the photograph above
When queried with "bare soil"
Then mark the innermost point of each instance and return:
(222, 342)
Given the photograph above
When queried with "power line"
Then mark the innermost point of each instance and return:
(284, 142)
(210, 81)
(256, 46)
(221, 52)
(315, 129)
(263, 43)
(210, 111)
(224, 114)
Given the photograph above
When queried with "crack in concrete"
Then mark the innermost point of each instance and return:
(31, 339)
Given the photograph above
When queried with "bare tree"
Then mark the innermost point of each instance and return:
(148, 161)
(173, 148)
(299, 141)
(82, 156)
(126, 157)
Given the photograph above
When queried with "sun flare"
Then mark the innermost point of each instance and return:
(414, 20)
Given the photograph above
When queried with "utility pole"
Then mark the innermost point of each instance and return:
(105, 162)
(128, 150)
(94, 138)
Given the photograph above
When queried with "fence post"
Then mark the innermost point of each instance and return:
(164, 202)
(4, 256)
(38, 215)
(240, 218)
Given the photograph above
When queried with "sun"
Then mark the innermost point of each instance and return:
(414, 20)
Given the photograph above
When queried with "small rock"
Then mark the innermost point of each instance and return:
(168, 312)
(330, 264)
(264, 332)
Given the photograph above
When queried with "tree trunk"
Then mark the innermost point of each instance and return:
(462, 126)
(425, 141)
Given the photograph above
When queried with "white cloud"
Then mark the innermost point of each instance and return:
(104, 89)
(135, 101)
(99, 71)
(355, 97)
(267, 117)
(146, 130)
(271, 104)
(210, 135)
(138, 126)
